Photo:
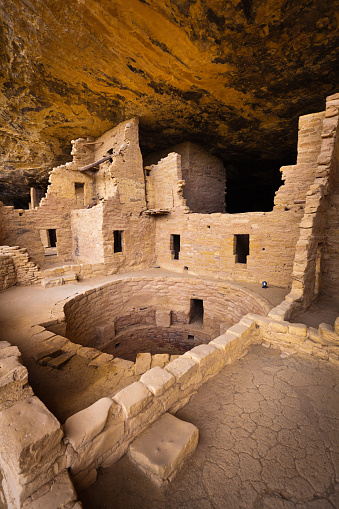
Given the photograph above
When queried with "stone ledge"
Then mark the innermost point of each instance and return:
(161, 450)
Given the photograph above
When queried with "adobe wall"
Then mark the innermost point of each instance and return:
(207, 242)
(222, 303)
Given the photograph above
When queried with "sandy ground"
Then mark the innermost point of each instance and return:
(269, 439)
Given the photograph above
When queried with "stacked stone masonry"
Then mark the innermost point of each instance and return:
(293, 246)
(76, 223)
(32, 453)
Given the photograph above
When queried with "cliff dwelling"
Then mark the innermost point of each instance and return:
(169, 257)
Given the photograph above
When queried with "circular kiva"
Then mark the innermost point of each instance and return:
(157, 314)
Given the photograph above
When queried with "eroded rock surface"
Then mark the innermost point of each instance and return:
(232, 75)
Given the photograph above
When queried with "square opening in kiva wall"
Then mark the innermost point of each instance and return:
(241, 247)
(175, 246)
(117, 237)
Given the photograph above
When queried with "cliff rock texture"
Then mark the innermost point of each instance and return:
(232, 75)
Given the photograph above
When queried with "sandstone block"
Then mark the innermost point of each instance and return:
(11, 370)
(160, 359)
(297, 329)
(102, 359)
(106, 440)
(278, 326)
(161, 450)
(163, 317)
(133, 398)
(186, 371)
(57, 494)
(209, 358)
(104, 333)
(328, 333)
(157, 380)
(142, 363)
(83, 426)
(28, 432)
(238, 329)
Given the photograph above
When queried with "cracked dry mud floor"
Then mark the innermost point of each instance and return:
(269, 439)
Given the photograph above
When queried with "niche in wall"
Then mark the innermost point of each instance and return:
(79, 193)
(241, 248)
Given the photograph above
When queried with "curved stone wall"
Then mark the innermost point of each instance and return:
(121, 304)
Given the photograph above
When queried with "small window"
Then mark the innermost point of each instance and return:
(79, 193)
(175, 246)
(197, 311)
(52, 238)
(241, 248)
(117, 234)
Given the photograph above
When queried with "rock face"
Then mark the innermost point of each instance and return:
(232, 75)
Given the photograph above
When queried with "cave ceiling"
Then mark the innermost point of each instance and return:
(232, 75)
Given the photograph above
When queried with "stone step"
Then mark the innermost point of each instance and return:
(162, 449)
(49, 282)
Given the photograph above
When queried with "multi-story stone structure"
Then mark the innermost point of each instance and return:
(106, 213)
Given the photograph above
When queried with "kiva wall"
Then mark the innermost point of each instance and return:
(222, 302)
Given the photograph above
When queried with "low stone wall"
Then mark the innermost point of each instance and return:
(292, 338)
(32, 453)
(7, 272)
(26, 272)
(100, 435)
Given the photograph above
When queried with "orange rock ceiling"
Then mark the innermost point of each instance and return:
(232, 75)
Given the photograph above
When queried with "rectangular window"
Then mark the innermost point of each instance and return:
(197, 311)
(117, 234)
(175, 246)
(79, 193)
(241, 248)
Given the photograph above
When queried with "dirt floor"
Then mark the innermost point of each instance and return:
(269, 439)
(325, 310)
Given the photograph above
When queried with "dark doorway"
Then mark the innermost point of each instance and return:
(242, 247)
(117, 234)
(197, 311)
(52, 237)
(175, 246)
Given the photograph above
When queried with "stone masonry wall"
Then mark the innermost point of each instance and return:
(204, 176)
(32, 454)
(207, 242)
(222, 303)
(87, 234)
(7, 272)
(25, 271)
(22, 227)
(164, 184)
